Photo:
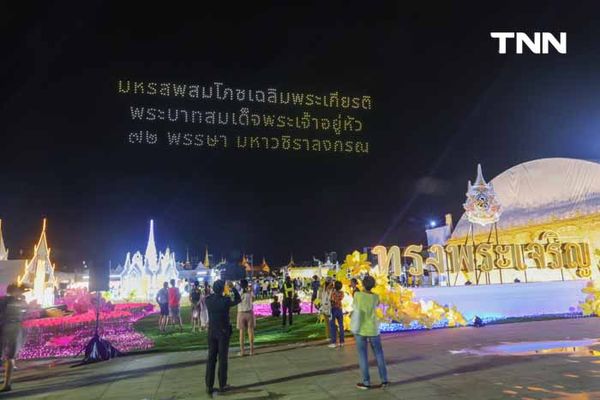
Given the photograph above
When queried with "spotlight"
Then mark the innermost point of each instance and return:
(432, 224)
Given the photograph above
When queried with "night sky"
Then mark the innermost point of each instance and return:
(444, 100)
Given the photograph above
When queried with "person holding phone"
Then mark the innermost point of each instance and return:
(219, 333)
(365, 304)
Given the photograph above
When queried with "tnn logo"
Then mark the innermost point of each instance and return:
(540, 43)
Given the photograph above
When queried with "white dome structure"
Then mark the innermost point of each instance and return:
(543, 191)
(552, 199)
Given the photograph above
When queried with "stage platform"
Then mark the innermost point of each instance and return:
(491, 302)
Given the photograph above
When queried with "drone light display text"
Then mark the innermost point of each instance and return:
(268, 119)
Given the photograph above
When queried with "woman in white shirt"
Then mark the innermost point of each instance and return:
(245, 317)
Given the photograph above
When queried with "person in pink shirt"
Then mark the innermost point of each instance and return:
(174, 299)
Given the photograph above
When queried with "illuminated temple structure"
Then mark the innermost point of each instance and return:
(255, 270)
(143, 275)
(39, 273)
(308, 270)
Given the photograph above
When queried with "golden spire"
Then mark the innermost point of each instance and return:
(245, 263)
(206, 259)
(264, 266)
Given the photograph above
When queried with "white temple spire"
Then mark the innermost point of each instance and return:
(42, 246)
(206, 258)
(151, 254)
(3, 249)
(480, 181)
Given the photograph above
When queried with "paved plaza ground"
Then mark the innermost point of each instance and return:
(422, 365)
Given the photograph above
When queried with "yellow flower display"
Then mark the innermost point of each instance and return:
(591, 305)
(398, 303)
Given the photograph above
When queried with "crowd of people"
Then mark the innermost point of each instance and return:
(168, 299)
(267, 287)
(326, 295)
(210, 312)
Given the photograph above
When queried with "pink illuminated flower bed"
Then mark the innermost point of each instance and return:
(66, 336)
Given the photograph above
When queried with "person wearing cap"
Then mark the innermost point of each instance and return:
(219, 333)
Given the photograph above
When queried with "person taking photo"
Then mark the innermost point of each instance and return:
(219, 333)
(367, 332)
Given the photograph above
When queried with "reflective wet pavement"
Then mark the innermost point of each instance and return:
(585, 347)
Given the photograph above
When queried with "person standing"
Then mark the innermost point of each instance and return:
(12, 310)
(337, 315)
(354, 286)
(365, 303)
(219, 333)
(325, 306)
(264, 288)
(203, 310)
(245, 317)
(174, 300)
(195, 295)
(314, 285)
(288, 300)
(162, 298)
(256, 288)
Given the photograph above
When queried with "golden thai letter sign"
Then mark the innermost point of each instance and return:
(485, 257)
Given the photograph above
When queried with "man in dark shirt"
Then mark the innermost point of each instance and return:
(287, 302)
(219, 332)
(314, 285)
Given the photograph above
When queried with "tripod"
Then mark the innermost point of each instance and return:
(98, 349)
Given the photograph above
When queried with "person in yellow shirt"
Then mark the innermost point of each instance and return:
(287, 303)
(365, 303)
